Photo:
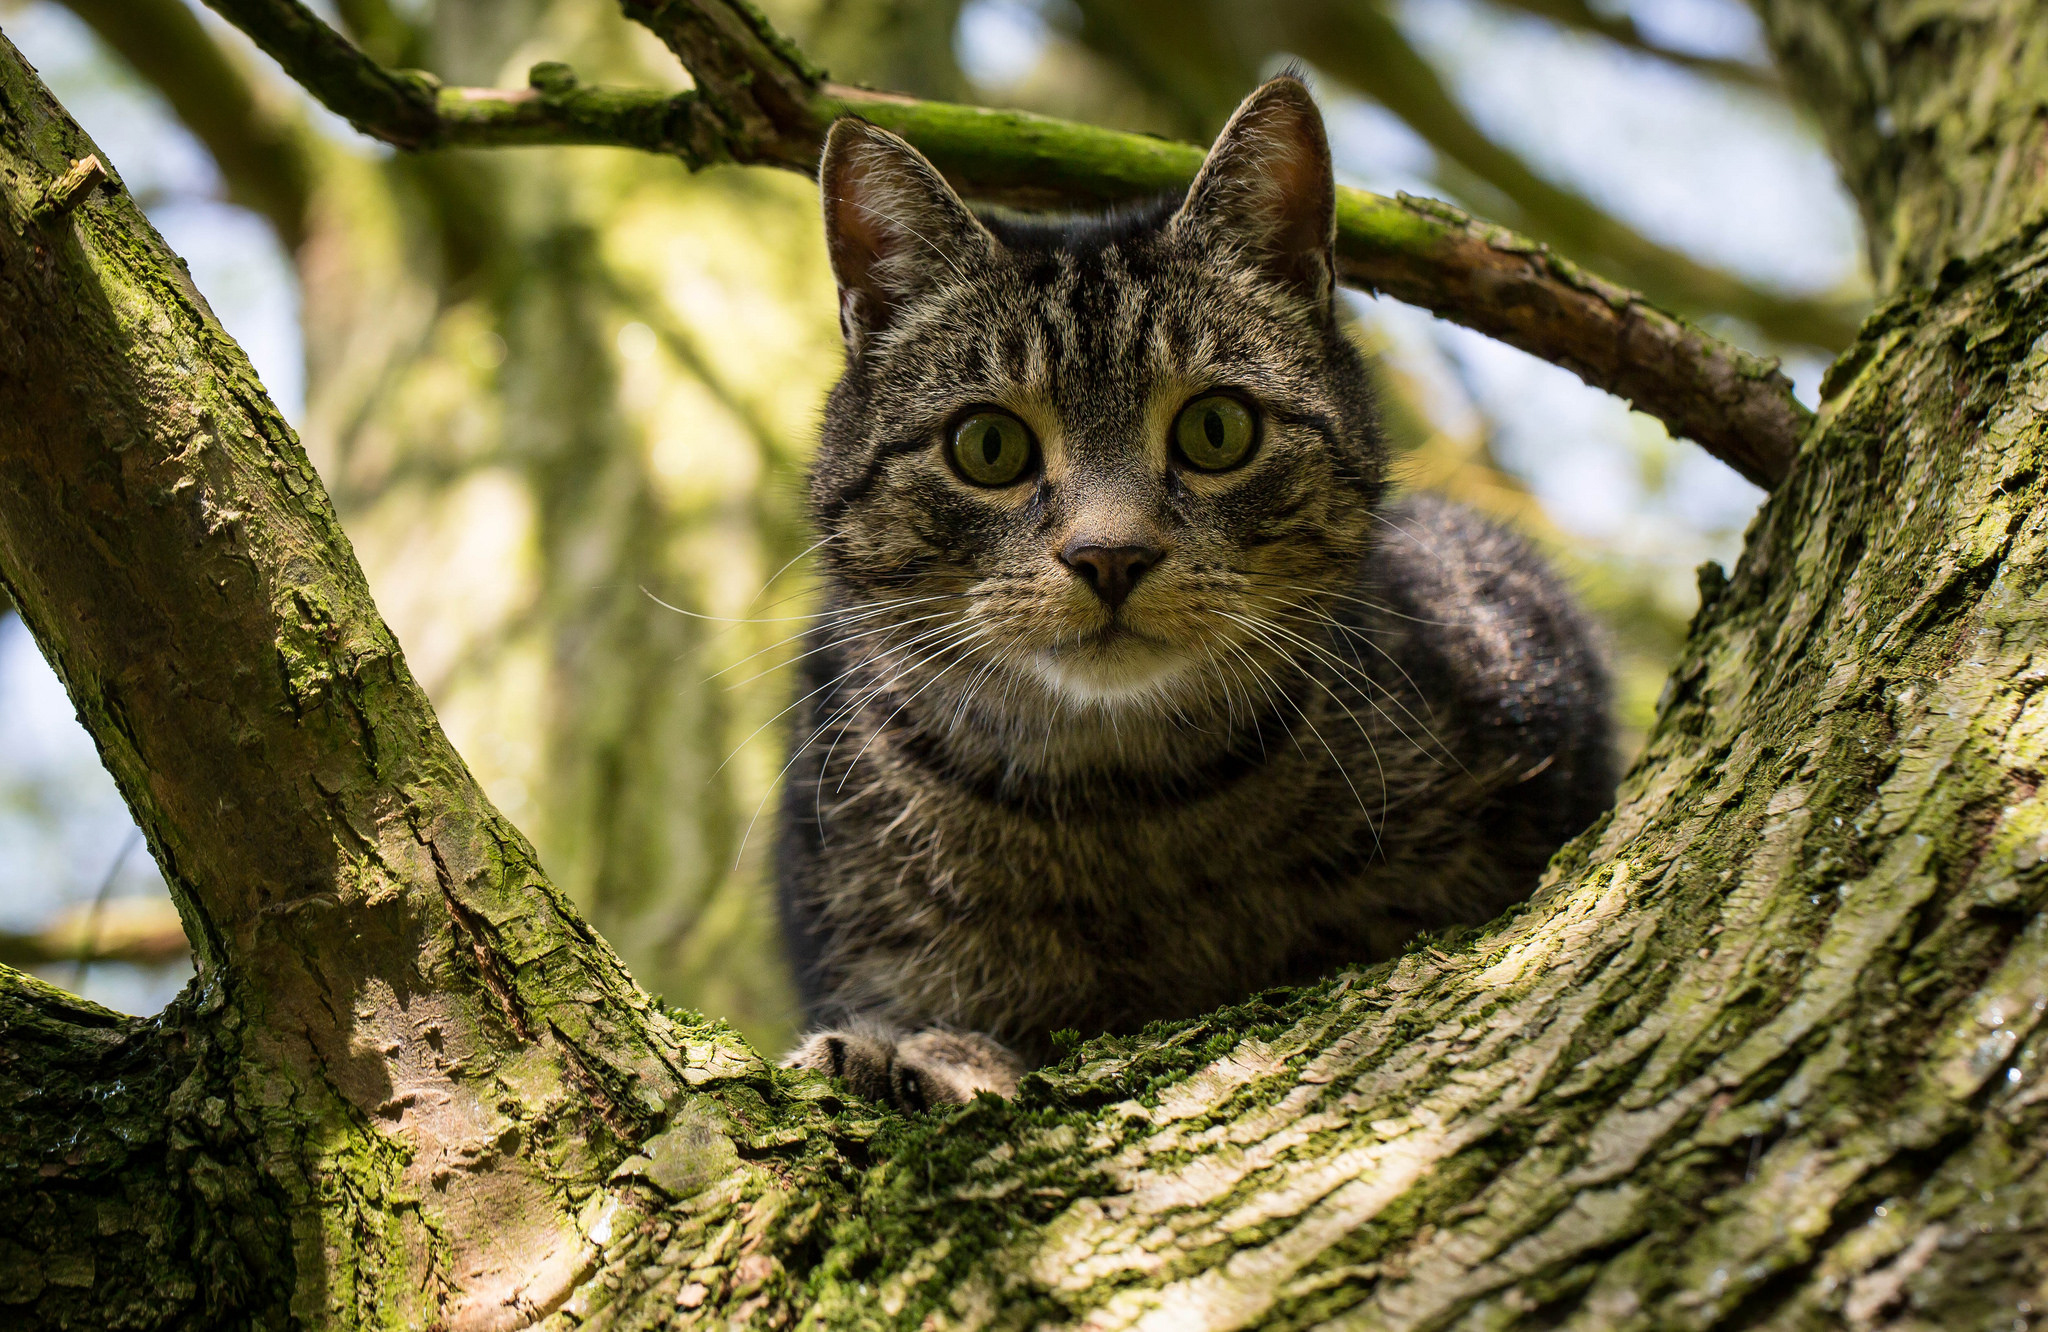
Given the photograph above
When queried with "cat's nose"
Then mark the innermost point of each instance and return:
(1111, 570)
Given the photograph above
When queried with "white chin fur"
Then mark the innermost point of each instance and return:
(1111, 681)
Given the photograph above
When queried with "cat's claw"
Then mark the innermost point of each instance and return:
(910, 1070)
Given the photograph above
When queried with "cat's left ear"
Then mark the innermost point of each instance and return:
(893, 226)
(1266, 191)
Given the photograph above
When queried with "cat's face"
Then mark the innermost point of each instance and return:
(1116, 460)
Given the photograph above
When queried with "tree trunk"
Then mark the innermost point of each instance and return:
(1765, 1050)
(513, 483)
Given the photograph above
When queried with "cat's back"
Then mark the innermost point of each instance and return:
(1509, 666)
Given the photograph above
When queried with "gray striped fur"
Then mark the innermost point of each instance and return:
(1324, 721)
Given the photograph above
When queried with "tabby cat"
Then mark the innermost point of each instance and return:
(1133, 692)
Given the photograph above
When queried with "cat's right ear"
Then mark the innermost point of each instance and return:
(894, 228)
(1266, 194)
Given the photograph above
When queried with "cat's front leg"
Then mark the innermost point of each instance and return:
(911, 1070)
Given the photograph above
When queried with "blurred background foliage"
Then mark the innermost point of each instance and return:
(563, 397)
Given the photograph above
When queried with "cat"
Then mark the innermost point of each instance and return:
(1133, 692)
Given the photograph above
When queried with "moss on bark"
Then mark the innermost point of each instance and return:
(136, 1197)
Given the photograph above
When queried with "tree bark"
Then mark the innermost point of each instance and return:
(414, 1063)
(1766, 1050)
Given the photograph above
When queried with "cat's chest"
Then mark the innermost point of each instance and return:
(1097, 921)
(995, 916)
(1105, 852)
(1087, 890)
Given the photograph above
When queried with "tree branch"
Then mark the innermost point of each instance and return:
(1735, 404)
(758, 102)
(381, 940)
(1621, 29)
(396, 106)
(1357, 43)
(755, 82)
(108, 1169)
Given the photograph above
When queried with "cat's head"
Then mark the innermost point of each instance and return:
(1114, 457)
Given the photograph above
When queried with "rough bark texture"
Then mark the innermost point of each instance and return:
(408, 1043)
(1766, 1051)
(1937, 115)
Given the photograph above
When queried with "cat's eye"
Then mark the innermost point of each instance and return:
(992, 448)
(1214, 433)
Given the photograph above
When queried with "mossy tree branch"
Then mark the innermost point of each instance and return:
(1198, 65)
(757, 101)
(399, 103)
(377, 946)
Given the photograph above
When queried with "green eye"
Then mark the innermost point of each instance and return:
(1214, 432)
(992, 448)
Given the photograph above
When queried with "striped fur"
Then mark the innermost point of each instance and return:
(1324, 721)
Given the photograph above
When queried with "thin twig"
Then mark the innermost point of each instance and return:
(70, 189)
(89, 937)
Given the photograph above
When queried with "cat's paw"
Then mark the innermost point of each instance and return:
(910, 1070)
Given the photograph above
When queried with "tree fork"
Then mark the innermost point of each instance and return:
(1767, 1049)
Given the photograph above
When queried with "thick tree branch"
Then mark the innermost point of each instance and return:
(103, 1125)
(758, 102)
(373, 933)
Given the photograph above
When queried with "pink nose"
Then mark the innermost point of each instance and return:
(1111, 570)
